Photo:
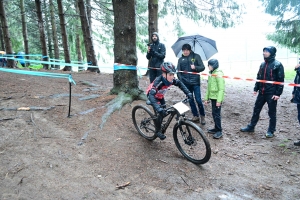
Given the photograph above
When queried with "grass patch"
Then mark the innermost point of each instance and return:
(283, 143)
(289, 74)
(35, 67)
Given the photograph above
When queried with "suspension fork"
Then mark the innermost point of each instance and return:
(179, 122)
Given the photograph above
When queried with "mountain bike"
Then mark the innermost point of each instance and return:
(188, 137)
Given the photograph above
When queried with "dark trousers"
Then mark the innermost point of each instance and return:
(259, 103)
(298, 108)
(159, 119)
(153, 73)
(216, 113)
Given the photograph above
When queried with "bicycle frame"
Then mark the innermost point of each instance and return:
(171, 113)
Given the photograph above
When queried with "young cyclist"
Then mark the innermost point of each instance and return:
(157, 89)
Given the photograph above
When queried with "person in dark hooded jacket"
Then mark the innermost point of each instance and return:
(296, 96)
(156, 54)
(191, 63)
(270, 70)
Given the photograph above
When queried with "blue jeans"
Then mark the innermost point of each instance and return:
(195, 89)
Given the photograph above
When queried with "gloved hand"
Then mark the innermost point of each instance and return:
(161, 112)
(190, 96)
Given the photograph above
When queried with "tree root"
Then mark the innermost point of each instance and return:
(117, 104)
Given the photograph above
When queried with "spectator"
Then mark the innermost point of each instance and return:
(155, 54)
(192, 62)
(20, 59)
(157, 89)
(296, 96)
(270, 70)
(215, 93)
(3, 61)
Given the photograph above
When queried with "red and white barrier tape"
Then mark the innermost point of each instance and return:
(238, 78)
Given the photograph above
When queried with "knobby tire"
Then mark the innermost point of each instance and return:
(195, 147)
(143, 120)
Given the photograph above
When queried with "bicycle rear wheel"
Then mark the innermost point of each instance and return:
(192, 142)
(143, 120)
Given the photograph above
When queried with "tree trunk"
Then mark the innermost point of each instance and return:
(152, 21)
(2, 47)
(24, 29)
(7, 40)
(125, 80)
(46, 14)
(54, 32)
(78, 44)
(89, 14)
(88, 40)
(152, 17)
(42, 32)
(64, 35)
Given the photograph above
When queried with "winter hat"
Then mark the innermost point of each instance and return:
(214, 63)
(186, 47)
(272, 50)
(155, 33)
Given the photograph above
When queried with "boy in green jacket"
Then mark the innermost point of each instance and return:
(215, 93)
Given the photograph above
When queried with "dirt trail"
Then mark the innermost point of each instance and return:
(46, 155)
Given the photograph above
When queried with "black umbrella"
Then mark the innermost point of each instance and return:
(201, 45)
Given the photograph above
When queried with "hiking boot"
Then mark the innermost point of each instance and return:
(217, 135)
(297, 143)
(269, 134)
(195, 119)
(160, 135)
(202, 120)
(213, 130)
(247, 129)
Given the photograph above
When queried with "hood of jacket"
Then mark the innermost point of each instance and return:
(272, 50)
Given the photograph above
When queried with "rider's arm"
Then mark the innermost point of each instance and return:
(153, 92)
(179, 84)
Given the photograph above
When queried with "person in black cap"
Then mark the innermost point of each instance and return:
(296, 96)
(156, 54)
(270, 70)
(191, 63)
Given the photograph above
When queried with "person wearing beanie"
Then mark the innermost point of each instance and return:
(269, 70)
(156, 54)
(192, 62)
(296, 96)
(215, 93)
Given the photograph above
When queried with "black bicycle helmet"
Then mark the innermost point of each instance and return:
(168, 67)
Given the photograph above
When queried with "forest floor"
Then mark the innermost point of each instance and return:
(46, 155)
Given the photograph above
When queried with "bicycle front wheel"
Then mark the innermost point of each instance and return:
(192, 142)
(144, 122)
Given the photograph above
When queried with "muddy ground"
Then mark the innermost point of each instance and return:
(46, 155)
